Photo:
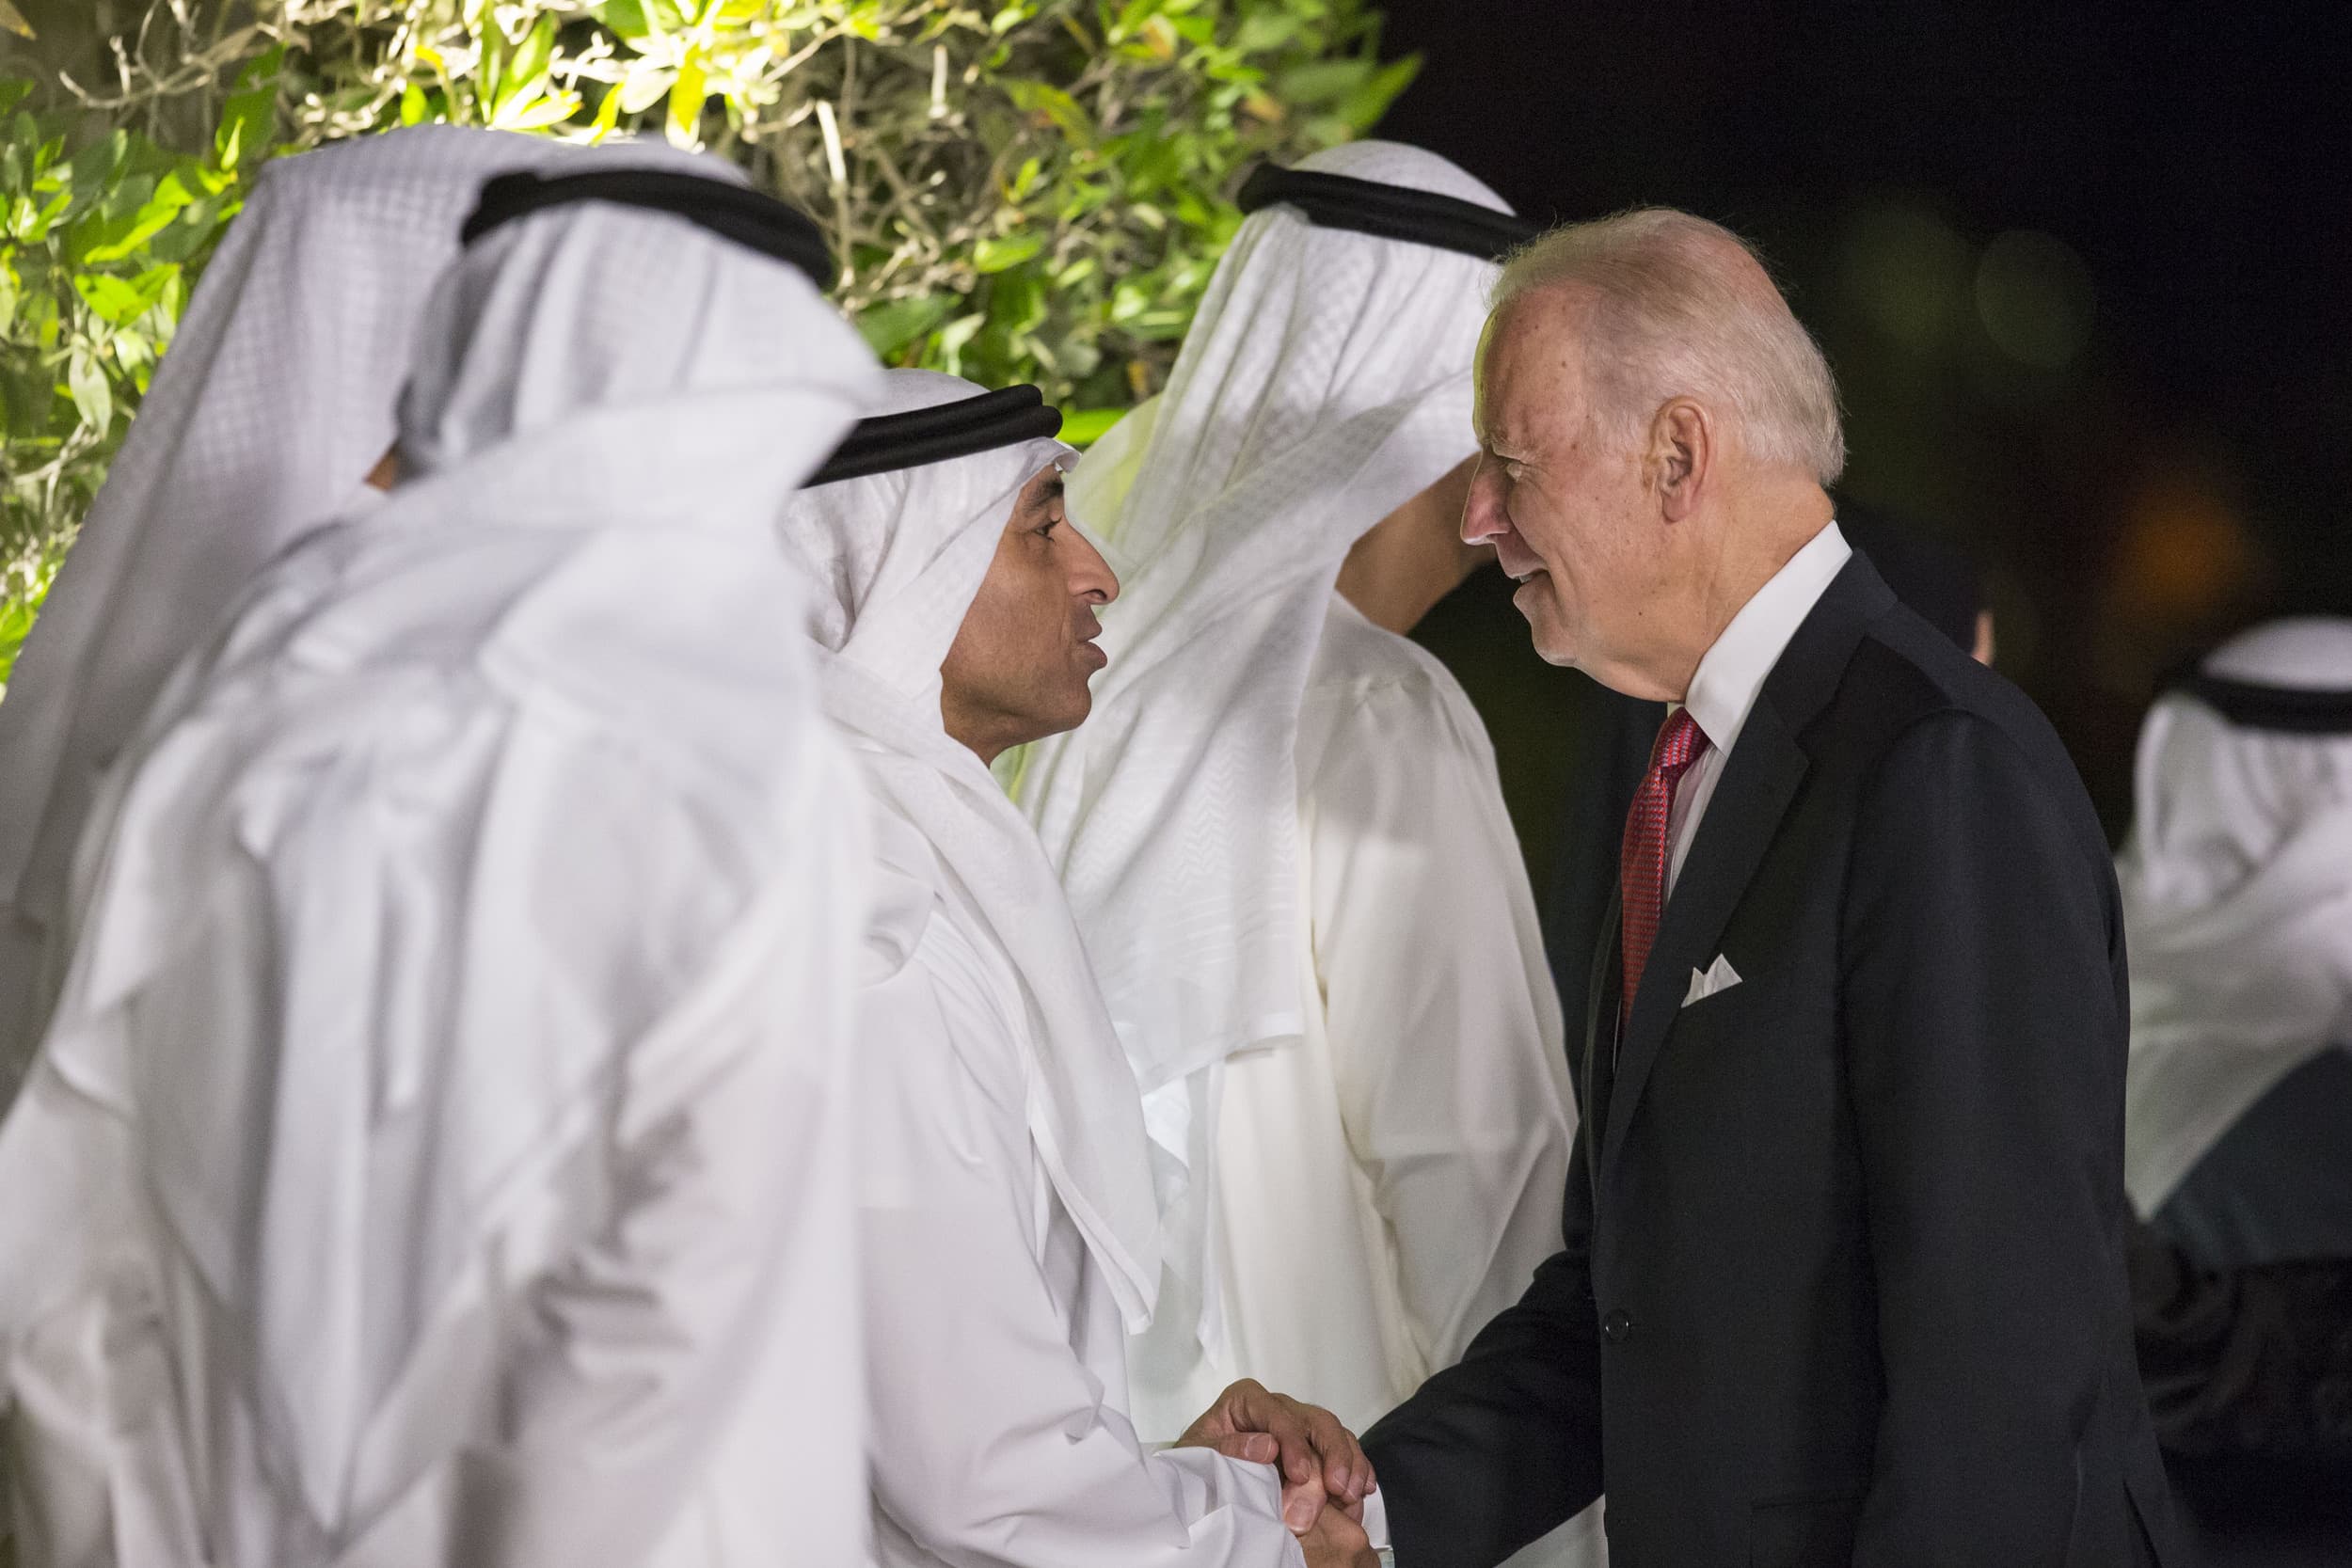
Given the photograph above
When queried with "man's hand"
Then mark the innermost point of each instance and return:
(1337, 1540)
(1320, 1461)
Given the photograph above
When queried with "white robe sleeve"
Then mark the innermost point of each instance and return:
(1444, 1027)
(997, 1434)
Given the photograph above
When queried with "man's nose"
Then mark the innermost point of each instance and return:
(1482, 519)
(1092, 578)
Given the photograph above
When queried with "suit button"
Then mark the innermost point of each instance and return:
(1618, 1327)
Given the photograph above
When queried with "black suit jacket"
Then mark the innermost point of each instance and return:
(1844, 1272)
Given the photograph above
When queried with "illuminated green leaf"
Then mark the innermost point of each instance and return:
(248, 122)
(627, 18)
(1083, 427)
(894, 323)
(526, 72)
(999, 255)
(643, 86)
(86, 382)
(686, 101)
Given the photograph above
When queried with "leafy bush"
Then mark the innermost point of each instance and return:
(1035, 190)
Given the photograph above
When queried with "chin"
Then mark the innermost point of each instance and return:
(1063, 716)
(1552, 646)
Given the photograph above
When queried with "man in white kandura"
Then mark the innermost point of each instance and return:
(272, 406)
(1009, 1231)
(441, 1151)
(2237, 904)
(1281, 828)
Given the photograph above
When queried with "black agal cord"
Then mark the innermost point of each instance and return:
(733, 212)
(1388, 211)
(888, 442)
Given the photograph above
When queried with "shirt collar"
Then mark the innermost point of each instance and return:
(1731, 675)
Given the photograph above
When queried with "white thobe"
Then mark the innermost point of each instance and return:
(650, 1354)
(996, 1351)
(1389, 1180)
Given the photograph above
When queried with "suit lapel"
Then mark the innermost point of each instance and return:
(1600, 1036)
(1760, 780)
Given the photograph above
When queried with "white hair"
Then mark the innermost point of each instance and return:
(1684, 308)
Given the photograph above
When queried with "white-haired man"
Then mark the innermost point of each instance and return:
(1844, 1279)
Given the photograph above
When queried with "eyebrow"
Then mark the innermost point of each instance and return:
(1041, 493)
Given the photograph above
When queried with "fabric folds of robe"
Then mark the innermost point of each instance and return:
(456, 1035)
(1418, 1130)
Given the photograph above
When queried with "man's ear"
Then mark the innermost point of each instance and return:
(1681, 452)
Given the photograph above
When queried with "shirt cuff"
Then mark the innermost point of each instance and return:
(1376, 1521)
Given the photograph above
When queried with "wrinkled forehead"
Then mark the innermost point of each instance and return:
(1530, 376)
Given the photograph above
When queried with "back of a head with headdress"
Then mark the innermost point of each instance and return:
(1326, 381)
(2237, 888)
(274, 401)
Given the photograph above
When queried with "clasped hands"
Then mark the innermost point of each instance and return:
(1325, 1474)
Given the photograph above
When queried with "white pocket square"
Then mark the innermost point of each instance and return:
(1716, 976)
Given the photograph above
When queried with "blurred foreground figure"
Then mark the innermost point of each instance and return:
(439, 1154)
(1281, 829)
(2237, 894)
(1009, 1233)
(272, 406)
(1844, 1279)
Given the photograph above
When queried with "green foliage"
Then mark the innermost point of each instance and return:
(97, 249)
(1017, 190)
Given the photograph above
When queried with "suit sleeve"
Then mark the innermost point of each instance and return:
(1504, 1445)
(1979, 1011)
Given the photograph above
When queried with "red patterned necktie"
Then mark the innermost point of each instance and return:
(1642, 858)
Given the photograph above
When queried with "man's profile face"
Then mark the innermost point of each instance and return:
(1560, 498)
(1018, 669)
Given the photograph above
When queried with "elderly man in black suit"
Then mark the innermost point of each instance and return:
(1844, 1272)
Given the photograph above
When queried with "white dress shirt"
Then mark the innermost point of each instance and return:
(1725, 685)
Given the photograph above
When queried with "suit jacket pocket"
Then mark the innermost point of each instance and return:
(1804, 1532)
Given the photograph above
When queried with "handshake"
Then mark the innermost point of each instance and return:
(1325, 1474)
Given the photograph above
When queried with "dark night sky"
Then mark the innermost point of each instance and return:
(2183, 473)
